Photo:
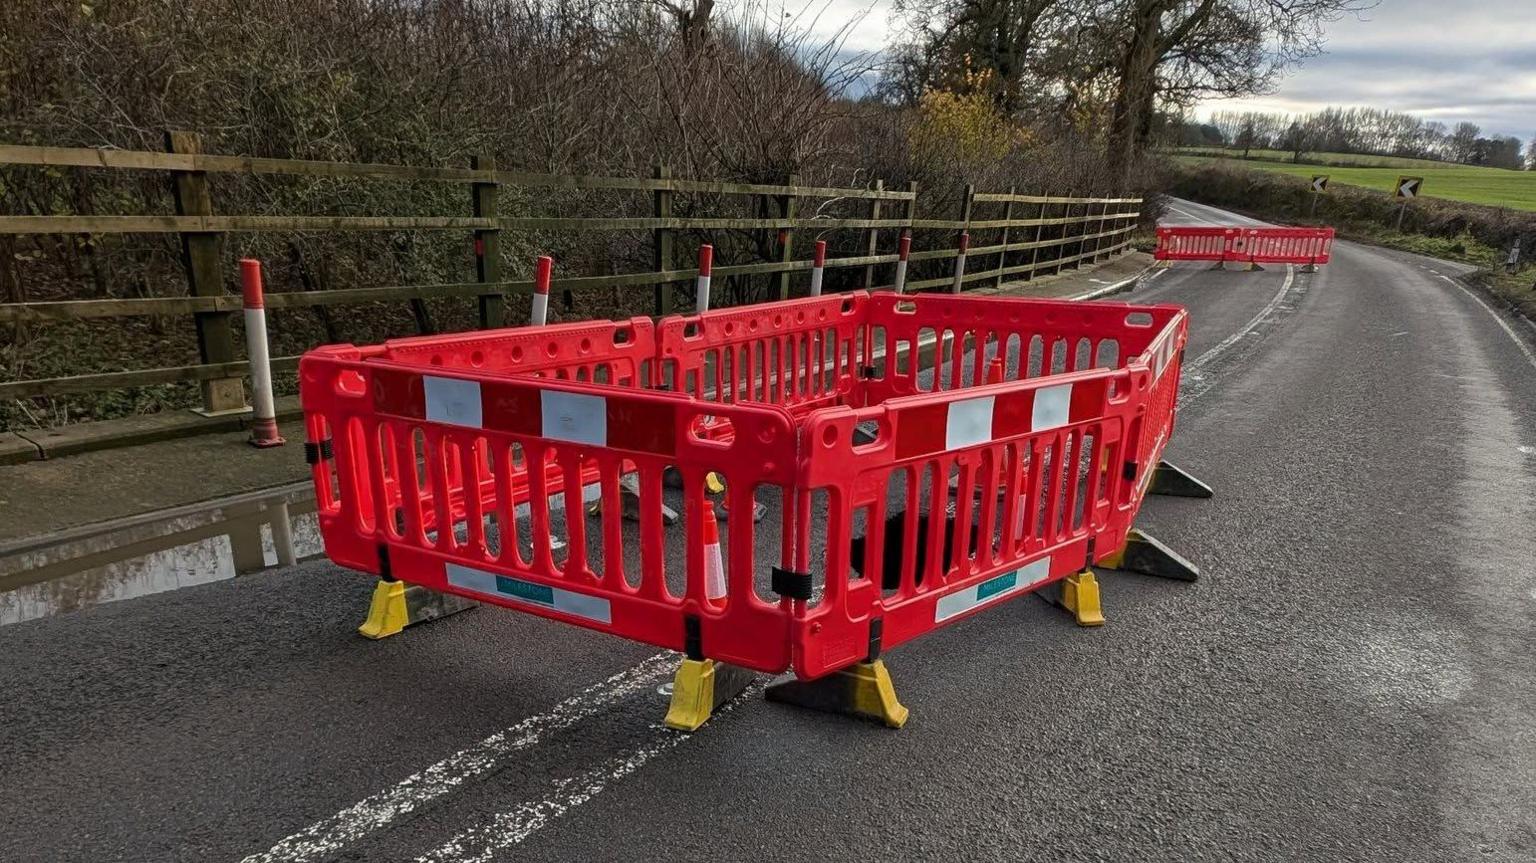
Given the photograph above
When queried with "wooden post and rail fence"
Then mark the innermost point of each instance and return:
(1034, 234)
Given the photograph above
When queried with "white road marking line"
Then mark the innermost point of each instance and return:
(511, 827)
(1498, 319)
(1184, 213)
(326, 838)
(1261, 317)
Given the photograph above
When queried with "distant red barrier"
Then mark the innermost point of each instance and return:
(1194, 243)
(1245, 245)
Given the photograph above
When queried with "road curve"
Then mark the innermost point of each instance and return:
(1352, 678)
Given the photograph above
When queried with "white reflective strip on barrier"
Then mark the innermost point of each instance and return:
(590, 492)
(1052, 407)
(574, 417)
(450, 400)
(968, 422)
(528, 593)
(1162, 357)
(993, 589)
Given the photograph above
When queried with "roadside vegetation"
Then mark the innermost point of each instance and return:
(1041, 95)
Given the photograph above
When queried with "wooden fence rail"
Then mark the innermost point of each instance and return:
(1068, 230)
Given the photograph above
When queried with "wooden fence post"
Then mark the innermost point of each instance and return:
(493, 306)
(787, 208)
(1061, 232)
(1002, 256)
(1034, 251)
(201, 253)
(662, 240)
(872, 245)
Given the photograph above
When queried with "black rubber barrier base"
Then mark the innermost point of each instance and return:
(1170, 480)
(1145, 555)
(863, 690)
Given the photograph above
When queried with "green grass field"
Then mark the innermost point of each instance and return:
(1361, 159)
(1493, 187)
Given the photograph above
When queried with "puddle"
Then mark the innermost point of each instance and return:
(154, 553)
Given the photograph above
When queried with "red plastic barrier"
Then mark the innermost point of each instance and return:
(1284, 246)
(1244, 245)
(1193, 243)
(1011, 444)
(1037, 474)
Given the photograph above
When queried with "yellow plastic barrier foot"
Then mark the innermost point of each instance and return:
(863, 690)
(1173, 481)
(396, 605)
(1080, 595)
(698, 690)
(1143, 554)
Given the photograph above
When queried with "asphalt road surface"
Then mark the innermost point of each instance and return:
(1353, 678)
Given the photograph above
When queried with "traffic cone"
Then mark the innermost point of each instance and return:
(995, 370)
(714, 563)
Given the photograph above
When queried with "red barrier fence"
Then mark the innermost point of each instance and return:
(1244, 245)
(923, 457)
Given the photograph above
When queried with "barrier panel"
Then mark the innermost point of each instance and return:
(973, 492)
(927, 456)
(435, 485)
(1244, 245)
(1193, 243)
(1285, 246)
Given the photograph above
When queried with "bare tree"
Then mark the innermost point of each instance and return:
(1183, 50)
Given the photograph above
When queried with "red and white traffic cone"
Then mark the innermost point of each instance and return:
(995, 370)
(714, 562)
(818, 264)
(903, 249)
(706, 263)
(543, 271)
(264, 422)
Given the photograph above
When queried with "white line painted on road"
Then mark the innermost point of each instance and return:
(1184, 213)
(326, 838)
(1497, 318)
(510, 827)
(1264, 314)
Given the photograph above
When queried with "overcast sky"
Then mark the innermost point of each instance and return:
(1477, 64)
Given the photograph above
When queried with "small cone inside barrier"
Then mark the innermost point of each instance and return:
(995, 370)
(715, 484)
(714, 564)
(863, 690)
(396, 605)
